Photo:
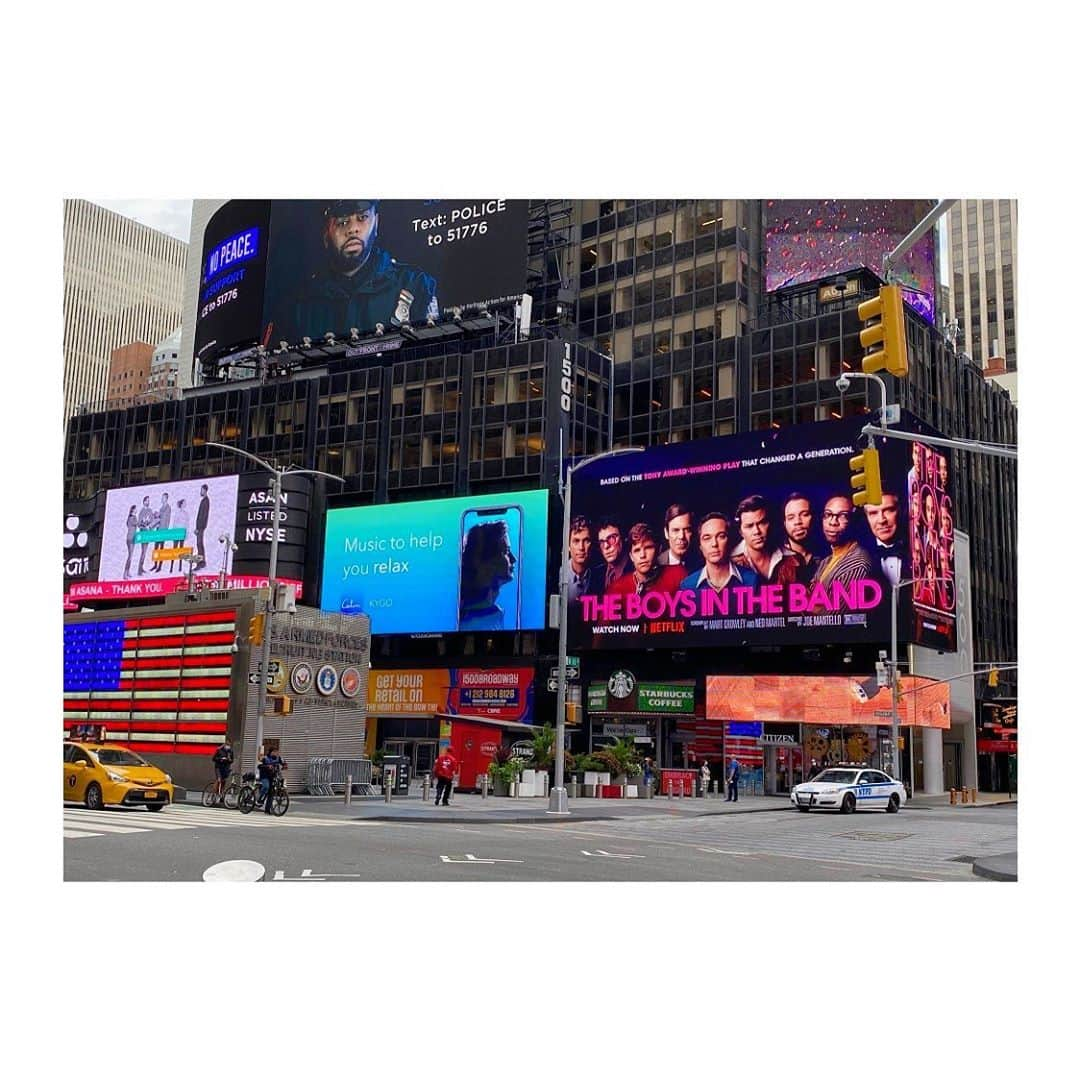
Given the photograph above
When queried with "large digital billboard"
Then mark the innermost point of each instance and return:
(753, 539)
(807, 239)
(477, 563)
(293, 268)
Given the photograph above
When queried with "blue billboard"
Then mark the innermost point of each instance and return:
(442, 565)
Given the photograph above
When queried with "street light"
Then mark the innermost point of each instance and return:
(895, 678)
(270, 599)
(557, 800)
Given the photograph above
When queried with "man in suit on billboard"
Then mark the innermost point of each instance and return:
(202, 519)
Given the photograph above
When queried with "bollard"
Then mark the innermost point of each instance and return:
(952, 796)
(483, 785)
(425, 787)
(387, 788)
(964, 795)
(599, 791)
(670, 785)
(348, 790)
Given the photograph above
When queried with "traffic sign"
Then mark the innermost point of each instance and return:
(553, 685)
(571, 672)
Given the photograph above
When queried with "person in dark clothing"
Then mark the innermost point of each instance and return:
(132, 527)
(202, 519)
(223, 763)
(269, 767)
(361, 285)
(733, 780)
(446, 766)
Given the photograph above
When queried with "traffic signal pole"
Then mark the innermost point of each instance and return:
(971, 445)
(905, 245)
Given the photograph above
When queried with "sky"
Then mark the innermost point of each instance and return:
(170, 216)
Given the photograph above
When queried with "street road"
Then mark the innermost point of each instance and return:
(180, 843)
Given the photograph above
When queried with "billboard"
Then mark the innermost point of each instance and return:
(469, 564)
(492, 693)
(753, 539)
(284, 269)
(822, 701)
(148, 532)
(807, 239)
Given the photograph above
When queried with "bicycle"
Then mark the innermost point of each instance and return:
(249, 795)
(228, 797)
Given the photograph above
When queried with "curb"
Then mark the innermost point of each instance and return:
(996, 867)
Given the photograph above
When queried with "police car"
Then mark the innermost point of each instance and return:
(848, 788)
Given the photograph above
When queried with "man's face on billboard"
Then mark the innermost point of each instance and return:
(798, 520)
(929, 511)
(678, 531)
(350, 237)
(610, 544)
(714, 542)
(580, 546)
(643, 556)
(883, 519)
(835, 519)
(754, 528)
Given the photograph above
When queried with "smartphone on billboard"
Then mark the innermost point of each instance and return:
(489, 570)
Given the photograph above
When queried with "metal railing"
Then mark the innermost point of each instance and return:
(327, 776)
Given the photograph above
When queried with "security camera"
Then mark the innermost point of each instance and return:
(223, 539)
(843, 384)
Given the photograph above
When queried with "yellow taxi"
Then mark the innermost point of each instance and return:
(100, 775)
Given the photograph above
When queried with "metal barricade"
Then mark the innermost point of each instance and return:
(329, 776)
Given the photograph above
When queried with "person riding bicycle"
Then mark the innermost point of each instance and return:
(223, 763)
(270, 765)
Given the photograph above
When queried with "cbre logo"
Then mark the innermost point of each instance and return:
(75, 538)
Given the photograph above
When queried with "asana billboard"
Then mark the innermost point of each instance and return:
(753, 539)
(468, 564)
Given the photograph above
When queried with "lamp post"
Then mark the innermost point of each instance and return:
(270, 598)
(557, 800)
(895, 676)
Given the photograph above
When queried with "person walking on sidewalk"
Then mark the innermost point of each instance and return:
(446, 766)
(733, 780)
(706, 778)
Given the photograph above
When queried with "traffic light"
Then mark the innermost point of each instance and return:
(888, 332)
(866, 478)
(256, 626)
(992, 677)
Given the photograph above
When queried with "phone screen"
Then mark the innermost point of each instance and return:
(489, 572)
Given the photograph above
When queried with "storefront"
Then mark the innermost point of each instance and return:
(784, 728)
(997, 745)
(661, 717)
(404, 706)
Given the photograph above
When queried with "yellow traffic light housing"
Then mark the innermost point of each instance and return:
(992, 677)
(866, 478)
(256, 627)
(888, 332)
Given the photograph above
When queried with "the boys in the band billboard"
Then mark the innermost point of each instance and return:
(787, 557)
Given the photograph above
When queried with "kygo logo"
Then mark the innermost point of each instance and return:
(74, 538)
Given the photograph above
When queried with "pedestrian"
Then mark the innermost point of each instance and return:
(446, 767)
(223, 763)
(733, 780)
(647, 775)
(706, 777)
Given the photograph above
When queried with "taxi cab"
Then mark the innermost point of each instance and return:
(99, 775)
(850, 787)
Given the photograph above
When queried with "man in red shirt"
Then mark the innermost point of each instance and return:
(446, 767)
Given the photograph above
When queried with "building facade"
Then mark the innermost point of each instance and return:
(982, 299)
(123, 282)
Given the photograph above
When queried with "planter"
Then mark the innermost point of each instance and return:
(500, 787)
(573, 789)
(597, 778)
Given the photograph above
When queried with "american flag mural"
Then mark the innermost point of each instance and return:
(158, 684)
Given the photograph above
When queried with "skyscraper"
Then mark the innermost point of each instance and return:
(982, 254)
(123, 282)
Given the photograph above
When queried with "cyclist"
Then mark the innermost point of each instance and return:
(223, 763)
(269, 767)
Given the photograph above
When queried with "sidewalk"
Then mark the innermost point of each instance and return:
(466, 807)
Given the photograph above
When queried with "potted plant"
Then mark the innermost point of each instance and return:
(593, 771)
(504, 770)
(622, 759)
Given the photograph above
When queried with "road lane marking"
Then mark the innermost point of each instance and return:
(610, 855)
(72, 834)
(234, 870)
(474, 860)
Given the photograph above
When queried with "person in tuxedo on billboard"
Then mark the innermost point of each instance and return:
(202, 519)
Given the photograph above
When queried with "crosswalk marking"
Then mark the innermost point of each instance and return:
(81, 823)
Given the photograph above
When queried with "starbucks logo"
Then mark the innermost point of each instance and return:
(621, 684)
